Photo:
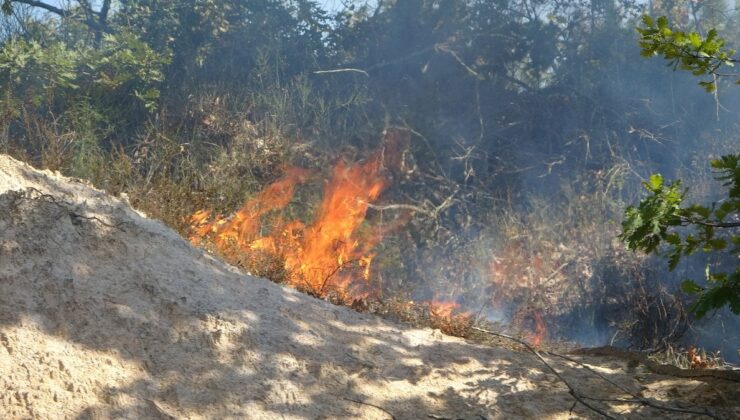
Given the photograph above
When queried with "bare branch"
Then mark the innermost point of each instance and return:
(636, 398)
(45, 6)
(89, 19)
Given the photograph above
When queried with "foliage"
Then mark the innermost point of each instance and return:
(31, 72)
(687, 50)
(658, 217)
(127, 66)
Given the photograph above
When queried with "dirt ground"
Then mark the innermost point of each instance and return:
(107, 314)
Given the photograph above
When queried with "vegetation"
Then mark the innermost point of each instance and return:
(657, 218)
(687, 50)
(525, 127)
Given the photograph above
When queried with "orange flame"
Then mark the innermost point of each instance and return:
(448, 317)
(443, 309)
(517, 273)
(331, 255)
(540, 331)
(333, 242)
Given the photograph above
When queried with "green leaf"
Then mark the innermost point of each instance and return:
(695, 39)
(673, 239)
(655, 182)
(662, 22)
(690, 287)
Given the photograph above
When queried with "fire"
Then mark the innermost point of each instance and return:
(332, 256)
(443, 309)
(241, 230)
(334, 253)
(697, 362)
(517, 275)
(449, 317)
(539, 330)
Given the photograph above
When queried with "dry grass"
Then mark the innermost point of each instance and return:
(691, 358)
(423, 315)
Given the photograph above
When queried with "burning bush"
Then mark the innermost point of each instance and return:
(332, 255)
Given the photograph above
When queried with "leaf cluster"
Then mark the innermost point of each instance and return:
(686, 50)
(128, 65)
(30, 71)
(658, 219)
(122, 69)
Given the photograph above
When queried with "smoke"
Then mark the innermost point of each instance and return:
(542, 175)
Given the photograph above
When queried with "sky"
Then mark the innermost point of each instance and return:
(329, 5)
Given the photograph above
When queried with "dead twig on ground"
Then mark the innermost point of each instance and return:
(370, 405)
(571, 390)
(74, 216)
(636, 399)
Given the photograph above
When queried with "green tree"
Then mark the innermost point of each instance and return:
(659, 218)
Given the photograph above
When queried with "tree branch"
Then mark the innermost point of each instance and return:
(45, 6)
(709, 224)
(103, 14)
(89, 20)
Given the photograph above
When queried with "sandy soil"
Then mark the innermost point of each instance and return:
(107, 314)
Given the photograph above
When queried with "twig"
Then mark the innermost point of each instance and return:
(557, 270)
(460, 61)
(371, 405)
(709, 224)
(572, 391)
(376, 65)
(330, 275)
(397, 207)
(347, 70)
(74, 215)
(66, 207)
(433, 213)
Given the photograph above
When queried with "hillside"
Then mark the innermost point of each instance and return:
(105, 313)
